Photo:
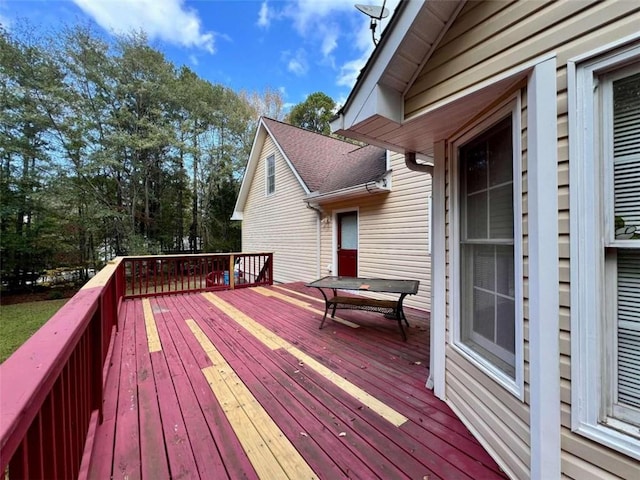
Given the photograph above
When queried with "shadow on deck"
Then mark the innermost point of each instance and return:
(243, 384)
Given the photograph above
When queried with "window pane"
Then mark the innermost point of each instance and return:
(500, 152)
(484, 314)
(626, 150)
(484, 267)
(505, 270)
(477, 216)
(474, 157)
(629, 327)
(505, 330)
(501, 211)
(349, 231)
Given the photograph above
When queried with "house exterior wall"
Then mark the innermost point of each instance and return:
(487, 39)
(393, 232)
(281, 223)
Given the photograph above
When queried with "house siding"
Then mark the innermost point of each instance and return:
(393, 232)
(281, 223)
(486, 40)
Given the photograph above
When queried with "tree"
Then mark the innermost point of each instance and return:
(107, 149)
(27, 78)
(314, 113)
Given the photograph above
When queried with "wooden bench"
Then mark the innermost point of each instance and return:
(391, 308)
(388, 307)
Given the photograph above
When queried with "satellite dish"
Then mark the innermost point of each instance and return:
(373, 11)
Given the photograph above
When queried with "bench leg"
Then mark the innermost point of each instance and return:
(399, 316)
(326, 309)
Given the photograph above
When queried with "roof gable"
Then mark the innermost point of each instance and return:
(321, 163)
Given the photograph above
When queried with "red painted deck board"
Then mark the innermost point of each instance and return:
(161, 406)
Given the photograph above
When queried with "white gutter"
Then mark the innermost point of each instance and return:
(379, 186)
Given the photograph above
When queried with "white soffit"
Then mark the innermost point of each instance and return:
(404, 49)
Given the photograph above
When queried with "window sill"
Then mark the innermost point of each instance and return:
(500, 377)
(610, 437)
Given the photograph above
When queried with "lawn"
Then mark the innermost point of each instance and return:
(18, 322)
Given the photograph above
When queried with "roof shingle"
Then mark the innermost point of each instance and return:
(324, 163)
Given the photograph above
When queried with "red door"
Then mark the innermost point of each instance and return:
(348, 244)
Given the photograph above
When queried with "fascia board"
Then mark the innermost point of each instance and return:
(254, 157)
(366, 95)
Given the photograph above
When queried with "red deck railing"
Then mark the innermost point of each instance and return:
(52, 386)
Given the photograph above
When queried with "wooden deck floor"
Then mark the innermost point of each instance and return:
(243, 384)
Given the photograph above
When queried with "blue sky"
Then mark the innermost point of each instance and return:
(296, 46)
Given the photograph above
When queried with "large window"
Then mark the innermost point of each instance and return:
(489, 313)
(606, 250)
(620, 99)
(271, 174)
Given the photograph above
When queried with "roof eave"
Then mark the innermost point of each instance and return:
(347, 193)
(370, 99)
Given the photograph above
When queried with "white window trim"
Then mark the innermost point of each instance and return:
(429, 223)
(266, 175)
(587, 263)
(516, 385)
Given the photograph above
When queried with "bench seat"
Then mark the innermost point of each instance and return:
(363, 302)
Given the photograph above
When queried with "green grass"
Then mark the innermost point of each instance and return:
(18, 322)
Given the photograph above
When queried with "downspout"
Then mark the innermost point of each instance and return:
(412, 164)
(318, 221)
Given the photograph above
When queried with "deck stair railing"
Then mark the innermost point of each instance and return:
(51, 388)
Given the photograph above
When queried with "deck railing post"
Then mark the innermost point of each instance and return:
(97, 355)
(232, 272)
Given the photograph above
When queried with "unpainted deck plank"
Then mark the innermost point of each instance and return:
(319, 418)
(208, 462)
(450, 440)
(182, 463)
(309, 410)
(253, 363)
(195, 359)
(383, 365)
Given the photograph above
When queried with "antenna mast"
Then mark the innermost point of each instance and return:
(375, 14)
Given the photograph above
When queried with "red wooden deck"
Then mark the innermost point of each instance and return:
(243, 384)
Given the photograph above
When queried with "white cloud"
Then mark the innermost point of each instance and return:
(167, 20)
(308, 14)
(350, 70)
(297, 62)
(330, 40)
(264, 16)
(194, 59)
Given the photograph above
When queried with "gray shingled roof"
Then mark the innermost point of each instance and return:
(324, 163)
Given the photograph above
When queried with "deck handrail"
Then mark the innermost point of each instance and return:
(52, 386)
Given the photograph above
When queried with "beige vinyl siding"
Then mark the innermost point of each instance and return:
(494, 415)
(487, 39)
(393, 232)
(281, 223)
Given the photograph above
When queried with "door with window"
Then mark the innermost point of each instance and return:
(348, 244)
